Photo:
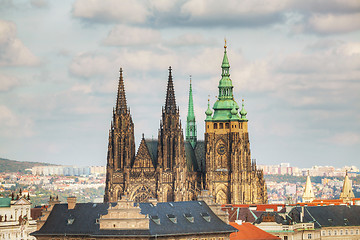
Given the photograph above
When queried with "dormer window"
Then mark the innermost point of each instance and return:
(70, 221)
(172, 218)
(155, 219)
(189, 217)
(206, 216)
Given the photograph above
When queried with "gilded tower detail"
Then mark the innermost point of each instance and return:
(173, 169)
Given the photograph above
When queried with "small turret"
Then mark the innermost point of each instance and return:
(308, 195)
(243, 112)
(347, 193)
(208, 111)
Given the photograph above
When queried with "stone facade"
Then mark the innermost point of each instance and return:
(171, 169)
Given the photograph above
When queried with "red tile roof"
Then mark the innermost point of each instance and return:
(250, 232)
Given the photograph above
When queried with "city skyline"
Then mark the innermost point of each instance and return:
(295, 63)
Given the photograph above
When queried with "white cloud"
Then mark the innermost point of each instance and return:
(346, 138)
(7, 82)
(126, 11)
(334, 23)
(83, 88)
(13, 51)
(190, 39)
(241, 13)
(12, 125)
(122, 35)
(39, 3)
(91, 64)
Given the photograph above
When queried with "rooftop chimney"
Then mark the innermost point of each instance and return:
(71, 202)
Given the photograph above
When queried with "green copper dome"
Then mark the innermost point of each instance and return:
(208, 112)
(243, 112)
(225, 102)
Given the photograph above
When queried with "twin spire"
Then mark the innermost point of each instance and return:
(170, 102)
(121, 106)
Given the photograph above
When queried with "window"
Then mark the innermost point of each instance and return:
(285, 237)
(227, 126)
(323, 233)
(206, 216)
(341, 232)
(309, 236)
(215, 125)
(357, 231)
(346, 232)
(335, 232)
(329, 233)
(221, 125)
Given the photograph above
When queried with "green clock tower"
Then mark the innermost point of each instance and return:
(230, 176)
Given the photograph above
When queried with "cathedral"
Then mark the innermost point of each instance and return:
(172, 168)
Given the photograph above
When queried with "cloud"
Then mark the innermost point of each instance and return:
(331, 23)
(12, 50)
(7, 82)
(190, 40)
(234, 13)
(127, 11)
(122, 35)
(12, 125)
(39, 3)
(343, 139)
(87, 65)
(326, 6)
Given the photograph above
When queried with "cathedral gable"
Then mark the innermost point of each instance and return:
(143, 158)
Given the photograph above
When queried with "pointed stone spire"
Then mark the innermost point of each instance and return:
(190, 123)
(308, 195)
(121, 106)
(170, 103)
(347, 193)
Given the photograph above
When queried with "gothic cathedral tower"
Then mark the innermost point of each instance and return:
(231, 177)
(171, 163)
(121, 147)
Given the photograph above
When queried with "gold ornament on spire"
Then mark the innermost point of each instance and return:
(225, 43)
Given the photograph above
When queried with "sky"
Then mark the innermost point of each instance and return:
(296, 64)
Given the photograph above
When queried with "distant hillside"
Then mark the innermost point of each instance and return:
(7, 165)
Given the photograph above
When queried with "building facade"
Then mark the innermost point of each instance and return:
(15, 219)
(173, 169)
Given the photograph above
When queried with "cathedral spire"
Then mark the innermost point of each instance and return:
(170, 103)
(190, 123)
(121, 106)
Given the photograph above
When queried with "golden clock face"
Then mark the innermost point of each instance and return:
(221, 149)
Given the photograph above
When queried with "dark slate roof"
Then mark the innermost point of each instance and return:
(194, 156)
(152, 145)
(200, 155)
(278, 219)
(326, 216)
(241, 213)
(85, 215)
(191, 157)
(183, 225)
